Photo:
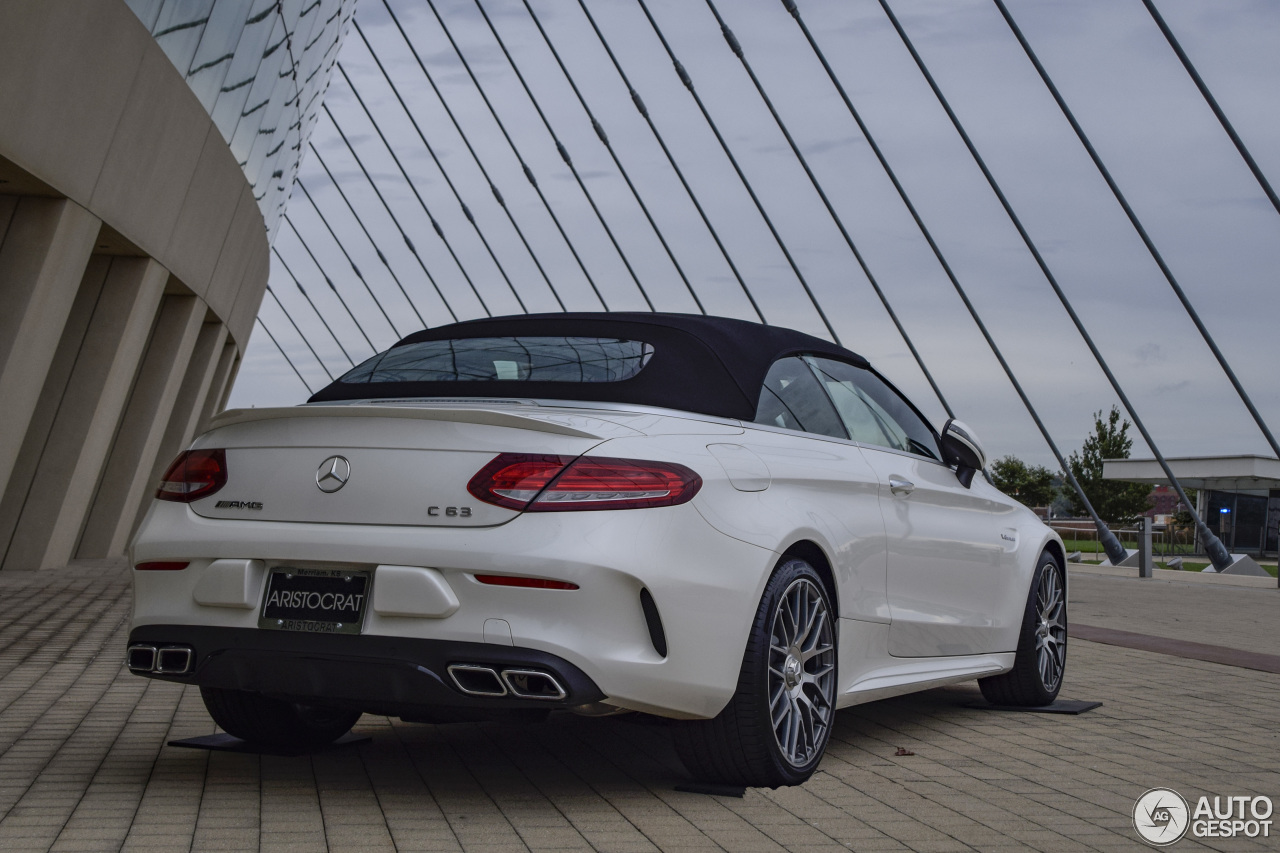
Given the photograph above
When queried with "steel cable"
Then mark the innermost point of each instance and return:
(338, 242)
(385, 263)
(307, 297)
(644, 112)
(328, 281)
(1133, 217)
(604, 138)
(285, 354)
(736, 47)
(435, 225)
(1112, 544)
(528, 173)
(1213, 547)
(1044, 267)
(688, 84)
(413, 250)
(564, 155)
(289, 317)
(466, 211)
(497, 195)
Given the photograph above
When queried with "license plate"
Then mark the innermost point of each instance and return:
(322, 601)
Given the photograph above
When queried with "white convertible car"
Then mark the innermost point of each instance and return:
(735, 526)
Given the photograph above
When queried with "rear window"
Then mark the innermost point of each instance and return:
(503, 359)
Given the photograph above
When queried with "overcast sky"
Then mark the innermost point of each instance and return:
(1178, 169)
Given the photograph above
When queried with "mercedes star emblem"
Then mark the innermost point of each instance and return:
(333, 474)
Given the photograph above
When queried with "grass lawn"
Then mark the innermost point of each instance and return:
(1091, 546)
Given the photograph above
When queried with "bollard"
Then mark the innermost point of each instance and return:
(1144, 547)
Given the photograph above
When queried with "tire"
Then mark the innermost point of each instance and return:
(275, 723)
(775, 728)
(1041, 660)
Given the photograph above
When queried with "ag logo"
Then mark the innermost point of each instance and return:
(1161, 816)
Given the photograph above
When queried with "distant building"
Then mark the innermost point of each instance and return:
(146, 152)
(1164, 503)
(1238, 496)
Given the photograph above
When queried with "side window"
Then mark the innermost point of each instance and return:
(874, 412)
(792, 398)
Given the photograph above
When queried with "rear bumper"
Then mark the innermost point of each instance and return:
(396, 676)
(706, 587)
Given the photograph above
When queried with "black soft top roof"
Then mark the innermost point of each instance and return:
(710, 365)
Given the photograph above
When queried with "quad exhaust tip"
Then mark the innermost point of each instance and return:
(533, 684)
(163, 660)
(476, 680)
(479, 680)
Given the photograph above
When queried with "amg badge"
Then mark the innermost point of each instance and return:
(238, 505)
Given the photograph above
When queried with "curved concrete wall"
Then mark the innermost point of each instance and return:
(133, 259)
(94, 109)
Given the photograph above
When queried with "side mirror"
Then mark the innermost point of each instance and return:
(961, 448)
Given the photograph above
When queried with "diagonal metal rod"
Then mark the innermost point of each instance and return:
(644, 111)
(564, 155)
(493, 188)
(1262, 182)
(1026, 238)
(1113, 547)
(307, 297)
(528, 173)
(1216, 551)
(337, 186)
(688, 84)
(338, 242)
(285, 354)
(466, 211)
(289, 317)
(736, 47)
(1213, 105)
(413, 250)
(604, 138)
(329, 281)
(435, 225)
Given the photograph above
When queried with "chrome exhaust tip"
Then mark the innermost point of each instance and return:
(532, 684)
(174, 661)
(476, 680)
(162, 660)
(141, 658)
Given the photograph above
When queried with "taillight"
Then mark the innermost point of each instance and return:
(555, 484)
(513, 479)
(193, 475)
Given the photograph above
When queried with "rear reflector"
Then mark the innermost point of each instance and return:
(529, 583)
(193, 475)
(161, 567)
(536, 483)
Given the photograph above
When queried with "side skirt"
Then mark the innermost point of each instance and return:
(868, 672)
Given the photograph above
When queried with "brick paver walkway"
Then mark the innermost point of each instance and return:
(84, 766)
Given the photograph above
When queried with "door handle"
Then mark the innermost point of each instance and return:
(901, 485)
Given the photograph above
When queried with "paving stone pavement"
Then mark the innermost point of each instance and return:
(84, 765)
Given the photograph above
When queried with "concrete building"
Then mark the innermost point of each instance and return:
(146, 153)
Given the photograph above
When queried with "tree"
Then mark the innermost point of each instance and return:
(1116, 502)
(1031, 485)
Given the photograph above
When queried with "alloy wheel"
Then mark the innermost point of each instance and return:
(802, 672)
(1051, 628)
